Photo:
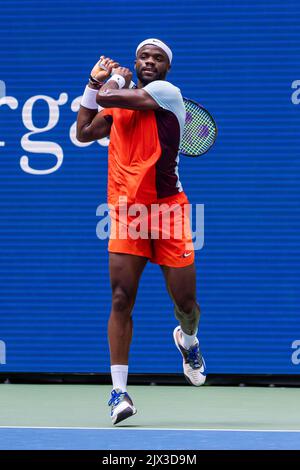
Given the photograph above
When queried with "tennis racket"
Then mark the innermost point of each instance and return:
(200, 129)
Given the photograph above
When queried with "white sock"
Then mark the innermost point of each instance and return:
(188, 340)
(119, 374)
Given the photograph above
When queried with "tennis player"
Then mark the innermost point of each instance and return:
(145, 126)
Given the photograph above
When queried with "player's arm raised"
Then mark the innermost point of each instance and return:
(110, 96)
(91, 125)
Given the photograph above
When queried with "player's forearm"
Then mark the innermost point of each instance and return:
(108, 95)
(126, 98)
(86, 131)
(110, 85)
(84, 119)
(85, 116)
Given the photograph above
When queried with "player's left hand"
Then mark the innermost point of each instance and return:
(103, 73)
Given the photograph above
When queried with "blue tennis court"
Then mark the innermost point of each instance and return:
(144, 439)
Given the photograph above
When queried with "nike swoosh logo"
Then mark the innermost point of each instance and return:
(185, 255)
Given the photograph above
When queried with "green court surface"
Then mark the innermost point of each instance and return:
(169, 407)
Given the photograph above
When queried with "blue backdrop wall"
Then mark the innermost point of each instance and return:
(238, 58)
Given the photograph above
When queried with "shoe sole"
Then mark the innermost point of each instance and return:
(183, 362)
(126, 413)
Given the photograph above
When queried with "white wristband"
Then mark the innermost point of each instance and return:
(88, 99)
(119, 79)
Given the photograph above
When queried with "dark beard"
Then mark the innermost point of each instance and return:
(145, 81)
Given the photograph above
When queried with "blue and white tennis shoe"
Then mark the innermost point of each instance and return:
(121, 406)
(193, 363)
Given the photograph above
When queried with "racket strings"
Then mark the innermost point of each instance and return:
(199, 131)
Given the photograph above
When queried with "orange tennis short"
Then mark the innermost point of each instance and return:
(160, 232)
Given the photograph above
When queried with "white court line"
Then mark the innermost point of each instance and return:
(149, 429)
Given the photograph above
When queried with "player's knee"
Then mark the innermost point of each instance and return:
(121, 301)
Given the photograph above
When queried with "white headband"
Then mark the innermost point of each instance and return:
(158, 43)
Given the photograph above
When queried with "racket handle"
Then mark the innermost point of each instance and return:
(102, 66)
(132, 85)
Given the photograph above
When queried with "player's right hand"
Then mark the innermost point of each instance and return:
(100, 73)
(125, 72)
